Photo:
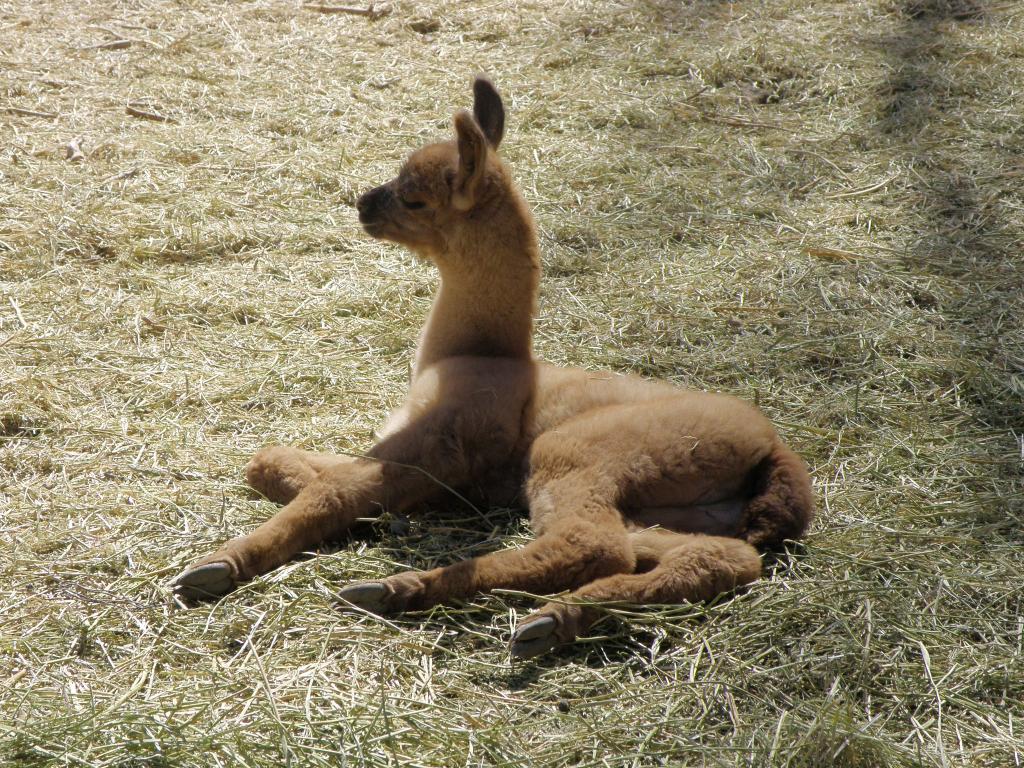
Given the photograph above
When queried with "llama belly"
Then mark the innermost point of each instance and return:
(717, 519)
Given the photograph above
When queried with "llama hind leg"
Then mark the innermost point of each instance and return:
(689, 568)
(572, 552)
(582, 538)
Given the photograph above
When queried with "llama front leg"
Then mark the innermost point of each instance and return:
(690, 568)
(280, 472)
(326, 507)
(404, 469)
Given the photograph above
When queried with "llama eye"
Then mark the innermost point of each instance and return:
(412, 205)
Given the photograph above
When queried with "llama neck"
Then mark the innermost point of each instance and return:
(485, 304)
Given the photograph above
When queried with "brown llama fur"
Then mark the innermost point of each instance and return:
(638, 491)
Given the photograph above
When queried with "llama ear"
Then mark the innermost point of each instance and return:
(472, 160)
(488, 110)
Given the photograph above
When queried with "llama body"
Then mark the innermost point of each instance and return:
(638, 491)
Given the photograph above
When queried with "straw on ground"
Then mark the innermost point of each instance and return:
(813, 205)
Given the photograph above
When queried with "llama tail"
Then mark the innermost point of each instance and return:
(782, 506)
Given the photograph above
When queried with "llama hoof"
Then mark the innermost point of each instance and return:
(534, 637)
(397, 593)
(204, 582)
(372, 596)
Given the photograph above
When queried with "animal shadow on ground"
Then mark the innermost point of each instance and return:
(966, 235)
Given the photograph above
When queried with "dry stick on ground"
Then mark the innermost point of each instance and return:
(835, 254)
(372, 11)
(736, 122)
(862, 190)
(137, 109)
(110, 45)
(29, 113)
(121, 176)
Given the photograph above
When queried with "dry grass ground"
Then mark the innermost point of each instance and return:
(818, 205)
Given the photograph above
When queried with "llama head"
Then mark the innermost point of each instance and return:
(446, 191)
